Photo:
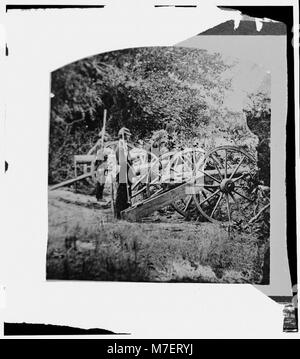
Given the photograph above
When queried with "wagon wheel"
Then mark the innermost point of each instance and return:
(227, 191)
(145, 176)
(192, 160)
(145, 160)
(91, 168)
(154, 177)
(169, 171)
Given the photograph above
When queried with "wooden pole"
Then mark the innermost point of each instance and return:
(75, 166)
(126, 174)
(70, 181)
(112, 196)
(102, 138)
(103, 127)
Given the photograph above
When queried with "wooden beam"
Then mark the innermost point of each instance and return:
(84, 159)
(70, 181)
(151, 205)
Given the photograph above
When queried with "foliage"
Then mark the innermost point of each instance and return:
(143, 89)
(258, 116)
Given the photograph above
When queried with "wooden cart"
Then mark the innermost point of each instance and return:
(220, 186)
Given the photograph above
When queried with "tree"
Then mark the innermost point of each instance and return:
(142, 89)
(258, 115)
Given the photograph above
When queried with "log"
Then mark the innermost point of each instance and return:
(70, 181)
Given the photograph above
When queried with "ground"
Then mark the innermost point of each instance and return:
(86, 243)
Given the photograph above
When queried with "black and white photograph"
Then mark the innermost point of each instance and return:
(159, 167)
(149, 181)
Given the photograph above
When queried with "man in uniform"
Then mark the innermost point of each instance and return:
(123, 177)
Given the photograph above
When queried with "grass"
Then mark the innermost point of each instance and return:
(82, 246)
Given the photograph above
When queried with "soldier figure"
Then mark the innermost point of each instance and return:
(123, 177)
(101, 165)
(101, 170)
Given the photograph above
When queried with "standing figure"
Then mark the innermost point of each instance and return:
(101, 170)
(101, 164)
(123, 177)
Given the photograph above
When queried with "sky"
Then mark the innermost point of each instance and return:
(251, 58)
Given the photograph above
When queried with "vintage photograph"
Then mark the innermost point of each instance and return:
(159, 168)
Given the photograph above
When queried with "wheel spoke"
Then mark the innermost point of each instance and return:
(216, 205)
(231, 195)
(194, 163)
(138, 192)
(241, 195)
(156, 193)
(217, 167)
(228, 208)
(138, 182)
(209, 197)
(154, 175)
(238, 178)
(186, 158)
(188, 203)
(218, 162)
(210, 190)
(207, 174)
(237, 167)
(225, 164)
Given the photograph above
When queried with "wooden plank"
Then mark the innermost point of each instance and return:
(75, 168)
(70, 181)
(84, 158)
(153, 204)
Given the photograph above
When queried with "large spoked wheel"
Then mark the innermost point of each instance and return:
(146, 182)
(226, 193)
(186, 165)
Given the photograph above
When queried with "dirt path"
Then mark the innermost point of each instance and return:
(72, 206)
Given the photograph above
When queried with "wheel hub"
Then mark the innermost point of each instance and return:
(227, 185)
